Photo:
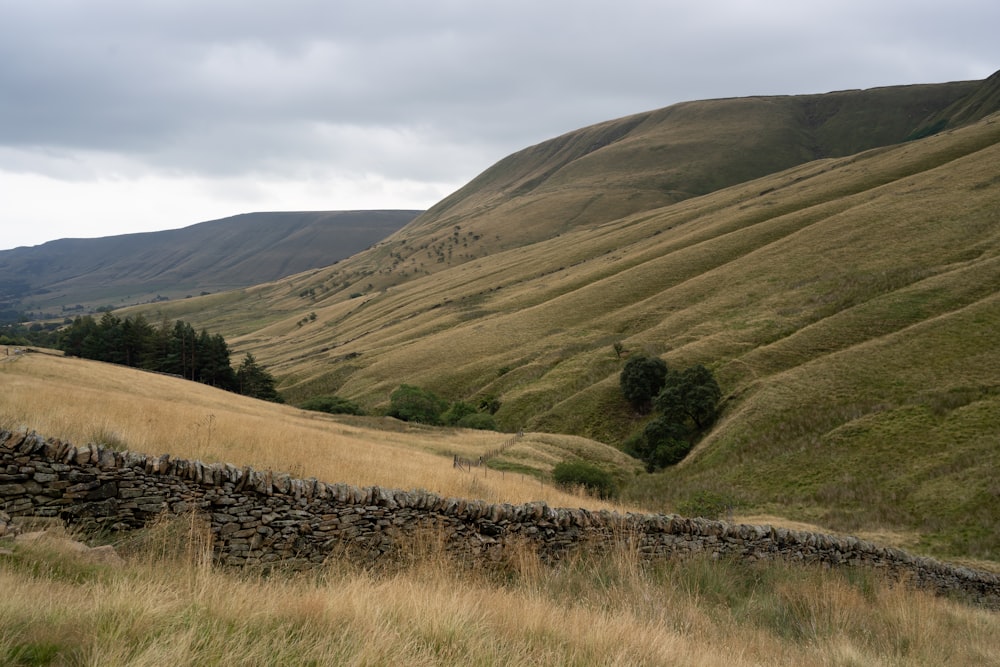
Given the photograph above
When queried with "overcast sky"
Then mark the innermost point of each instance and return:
(134, 115)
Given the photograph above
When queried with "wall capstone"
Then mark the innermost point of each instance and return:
(262, 517)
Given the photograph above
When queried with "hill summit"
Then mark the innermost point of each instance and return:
(834, 260)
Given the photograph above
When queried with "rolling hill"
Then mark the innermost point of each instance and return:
(211, 256)
(841, 281)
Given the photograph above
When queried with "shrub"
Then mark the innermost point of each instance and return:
(587, 475)
(334, 405)
(489, 404)
(478, 420)
(635, 445)
(458, 411)
(413, 404)
(707, 505)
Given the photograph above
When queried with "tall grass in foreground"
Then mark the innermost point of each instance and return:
(169, 606)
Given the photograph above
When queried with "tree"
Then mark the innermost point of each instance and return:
(641, 380)
(180, 357)
(691, 394)
(666, 443)
(688, 403)
(413, 404)
(71, 339)
(174, 349)
(215, 368)
(253, 380)
(112, 339)
(137, 341)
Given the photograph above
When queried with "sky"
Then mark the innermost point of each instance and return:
(121, 116)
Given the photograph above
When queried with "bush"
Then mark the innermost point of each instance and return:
(635, 445)
(334, 405)
(457, 411)
(489, 404)
(707, 505)
(413, 404)
(478, 420)
(587, 475)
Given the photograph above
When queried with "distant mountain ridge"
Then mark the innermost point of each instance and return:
(223, 254)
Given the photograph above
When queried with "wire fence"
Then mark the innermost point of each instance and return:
(468, 464)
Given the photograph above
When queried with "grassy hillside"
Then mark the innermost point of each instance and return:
(165, 604)
(83, 401)
(207, 257)
(846, 304)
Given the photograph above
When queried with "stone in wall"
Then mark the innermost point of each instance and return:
(261, 518)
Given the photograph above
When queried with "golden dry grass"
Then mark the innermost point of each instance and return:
(83, 401)
(167, 606)
(848, 307)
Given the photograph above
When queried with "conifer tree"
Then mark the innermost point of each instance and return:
(252, 379)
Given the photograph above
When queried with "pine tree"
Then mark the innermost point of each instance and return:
(253, 380)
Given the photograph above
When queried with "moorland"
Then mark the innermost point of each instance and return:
(846, 303)
(833, 259)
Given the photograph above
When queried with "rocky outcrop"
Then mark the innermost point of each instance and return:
(265, 517)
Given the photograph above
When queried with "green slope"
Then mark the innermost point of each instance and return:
(848, 304)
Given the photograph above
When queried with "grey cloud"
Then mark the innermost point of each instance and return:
(429, 89)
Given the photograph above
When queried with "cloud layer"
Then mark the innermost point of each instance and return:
(121, 116)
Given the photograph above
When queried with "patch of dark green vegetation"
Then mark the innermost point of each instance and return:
(334, 405)
(686, 402)
(594, 479)
(423, 406)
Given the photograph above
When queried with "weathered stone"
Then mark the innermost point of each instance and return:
(260, 517)
(82, 454)
(106, 459)
(106, 490)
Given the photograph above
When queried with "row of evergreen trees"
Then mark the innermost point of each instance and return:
(175, 349)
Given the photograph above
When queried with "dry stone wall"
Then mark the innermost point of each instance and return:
(261, 517)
